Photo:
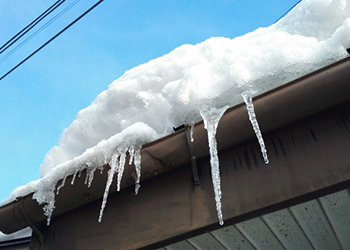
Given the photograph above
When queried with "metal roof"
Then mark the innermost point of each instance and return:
(322, 223)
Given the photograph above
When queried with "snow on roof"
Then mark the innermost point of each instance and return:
(149, 100)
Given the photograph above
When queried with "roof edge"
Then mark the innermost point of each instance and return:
(310, 94)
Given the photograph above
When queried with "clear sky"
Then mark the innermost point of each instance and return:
(43, 96)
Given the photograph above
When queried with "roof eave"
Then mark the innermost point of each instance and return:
(315, 92)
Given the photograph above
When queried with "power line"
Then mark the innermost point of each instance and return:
(38, 31)
(21, 33)
(288, 11)
(53, 38)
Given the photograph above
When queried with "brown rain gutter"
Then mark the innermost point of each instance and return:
(322, 89)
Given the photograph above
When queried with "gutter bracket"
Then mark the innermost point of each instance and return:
(192, 153)
(31, 224)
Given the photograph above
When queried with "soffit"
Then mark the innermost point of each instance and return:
(322, 223)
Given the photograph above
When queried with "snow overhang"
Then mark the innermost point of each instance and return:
(299, 99)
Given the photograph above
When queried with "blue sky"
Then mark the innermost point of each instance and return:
(43, 96)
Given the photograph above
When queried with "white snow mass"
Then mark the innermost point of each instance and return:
(149, 100)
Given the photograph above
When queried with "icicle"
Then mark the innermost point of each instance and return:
(137, 163)
(191, 131)
(135, 157)
(247, 96)
(74, 176)
(120, 169)
(211, 117)
(113, 164)
(62, 185)
(91, 176)
(131, 154)
(49, 210)
(86, 177)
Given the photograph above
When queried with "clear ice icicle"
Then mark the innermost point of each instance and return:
(131, 154)
(120, 169)
(135, 156)
(137, 163)
(89, 176)
(91, 173)
(211, 118)
(74, 176)
(113, 164)
(248, 99)
(61, 185)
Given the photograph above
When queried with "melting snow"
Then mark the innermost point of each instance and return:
(112, 152)
(149, 100)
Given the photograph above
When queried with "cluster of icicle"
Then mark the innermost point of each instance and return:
(117, 166)
(112, 152)
(116, 149)
(166, 92)
(211, 117)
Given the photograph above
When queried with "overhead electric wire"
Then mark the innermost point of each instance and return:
(21, 33)
(288, 11)
(52, 38)
(39, 30)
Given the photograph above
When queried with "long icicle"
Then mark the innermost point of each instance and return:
(120, 168)
(211, 118)
(137, 163)
(114, 164)
(248, 99)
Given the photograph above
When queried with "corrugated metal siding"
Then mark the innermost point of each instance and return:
(322, 223)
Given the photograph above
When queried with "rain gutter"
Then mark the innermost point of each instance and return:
(310, 94)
